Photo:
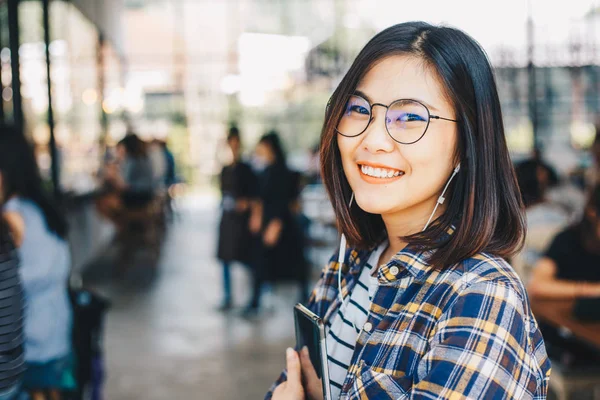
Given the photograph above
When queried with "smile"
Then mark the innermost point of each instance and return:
(379, 173)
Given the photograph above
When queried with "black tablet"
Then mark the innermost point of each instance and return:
(310, 332)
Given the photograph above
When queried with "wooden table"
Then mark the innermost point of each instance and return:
(559, 313)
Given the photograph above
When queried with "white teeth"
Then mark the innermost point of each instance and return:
(380, 172)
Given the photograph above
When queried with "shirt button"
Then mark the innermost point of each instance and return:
(394, 270)
(367, 327)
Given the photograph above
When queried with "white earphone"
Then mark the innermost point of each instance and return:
(342, 250)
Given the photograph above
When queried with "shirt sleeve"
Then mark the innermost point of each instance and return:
(12, 205)
(481, 349)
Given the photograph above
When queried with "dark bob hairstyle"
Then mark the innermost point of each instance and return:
(484, 204)
(21, 177)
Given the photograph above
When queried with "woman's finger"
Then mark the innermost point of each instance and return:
(307, 365)
(293, 369)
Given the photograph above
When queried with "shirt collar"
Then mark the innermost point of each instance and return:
(411, 259)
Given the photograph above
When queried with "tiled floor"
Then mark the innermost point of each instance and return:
(164, 339)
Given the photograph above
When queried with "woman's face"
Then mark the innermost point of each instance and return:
(265, 153)
(121, 153)
(425, 165)
(234, 145)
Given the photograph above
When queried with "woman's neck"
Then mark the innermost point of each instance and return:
(405, 223)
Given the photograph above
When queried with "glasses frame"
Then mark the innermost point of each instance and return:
(371, 118)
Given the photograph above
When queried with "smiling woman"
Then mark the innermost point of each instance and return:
(423, 303)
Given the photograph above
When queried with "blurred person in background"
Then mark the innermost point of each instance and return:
(170, 171)
(238, 190)
(422, 303)
(280, 254)
(593, 172)
(39, 231)
(129, 181)
(314, 166)
(544, 217)
(170, 176)
(301, 223)
(571, 269)
(159, 164)
(12, 355)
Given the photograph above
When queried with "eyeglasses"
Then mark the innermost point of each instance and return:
(406, 120)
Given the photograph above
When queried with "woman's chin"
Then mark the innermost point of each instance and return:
(376, 206)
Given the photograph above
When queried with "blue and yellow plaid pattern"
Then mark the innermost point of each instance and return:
(464, 332)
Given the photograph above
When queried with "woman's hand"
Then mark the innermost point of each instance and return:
(272, 233)
(312, 384)
(255, 222)
(242, 205)
(292, 388)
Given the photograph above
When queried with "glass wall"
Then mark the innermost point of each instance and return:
(6, 109)
(86, 77)
(74, 48)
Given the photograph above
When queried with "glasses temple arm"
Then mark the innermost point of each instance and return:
(445, 119)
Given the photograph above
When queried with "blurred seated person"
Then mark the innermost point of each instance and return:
(159, 163)
(129, 181)
(570, 269)
(592, 176)
(39, 232)
(571, 266)
(170, 173)
(544, 218)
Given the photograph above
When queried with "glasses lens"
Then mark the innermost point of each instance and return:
(407, 120)
(355, 119)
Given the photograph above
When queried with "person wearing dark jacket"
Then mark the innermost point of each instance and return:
(279, 251)
(238, 189)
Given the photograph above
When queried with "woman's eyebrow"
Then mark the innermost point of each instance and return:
(363, 95)
(367, 98)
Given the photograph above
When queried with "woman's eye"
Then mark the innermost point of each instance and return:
(409, 117)
(359, 109)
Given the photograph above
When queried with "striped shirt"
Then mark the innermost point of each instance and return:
(345, 326)
(12, 355)
(465, 331)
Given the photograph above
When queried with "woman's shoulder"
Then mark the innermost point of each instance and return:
(484, 268)
(13, 204)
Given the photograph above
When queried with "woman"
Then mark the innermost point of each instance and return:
(569, 270)
(39, 231)
(544, 217)
(415, 162)
(238, 189)
(280, 253)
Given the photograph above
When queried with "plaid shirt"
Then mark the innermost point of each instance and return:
(465, 332)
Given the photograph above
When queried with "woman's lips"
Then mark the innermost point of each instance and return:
(378, 174)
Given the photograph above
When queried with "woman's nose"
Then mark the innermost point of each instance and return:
(376, 138)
